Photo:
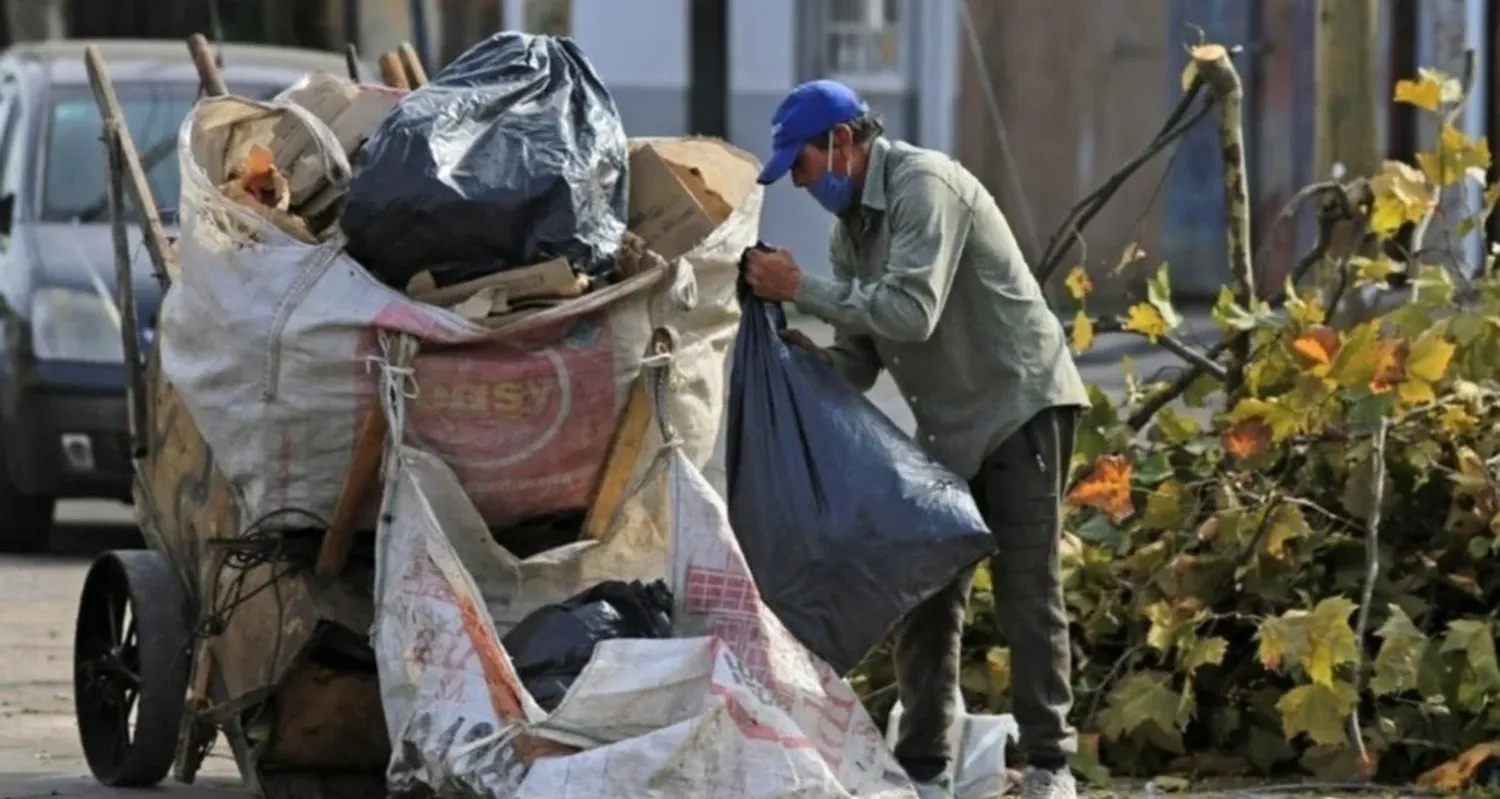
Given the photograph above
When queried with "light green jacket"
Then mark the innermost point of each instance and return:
(930, 284)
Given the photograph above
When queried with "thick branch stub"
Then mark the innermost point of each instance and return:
(1214, 67)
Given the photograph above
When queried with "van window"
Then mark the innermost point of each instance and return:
(76, 174)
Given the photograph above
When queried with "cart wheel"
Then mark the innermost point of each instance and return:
(130, 658)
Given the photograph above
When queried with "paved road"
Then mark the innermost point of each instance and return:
(39, 751)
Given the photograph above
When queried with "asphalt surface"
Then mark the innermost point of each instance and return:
(39, 750)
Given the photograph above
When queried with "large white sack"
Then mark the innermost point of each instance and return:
(734, 708)
(267, 341)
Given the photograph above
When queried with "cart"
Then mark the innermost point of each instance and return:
(215, 628)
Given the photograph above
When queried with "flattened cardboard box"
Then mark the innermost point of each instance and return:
(681, 190)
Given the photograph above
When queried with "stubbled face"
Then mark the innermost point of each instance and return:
(813, 162)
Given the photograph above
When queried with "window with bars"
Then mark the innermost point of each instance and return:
(859, 42)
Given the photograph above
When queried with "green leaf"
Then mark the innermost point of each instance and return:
(1098, 529)
(1198, 391)
(1330, 640)
(1476, 640)
(1230, 315)
(1176, 428)
(1318, 710)
(1140, 699)
(1202, 652)
(1153, 469)
(1159, 295)
(1398, 664)
(1165, 507)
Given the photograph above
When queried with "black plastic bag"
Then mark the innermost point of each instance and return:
(845, 522)
(550, 647)
(512, 155)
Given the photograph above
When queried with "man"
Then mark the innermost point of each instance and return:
(928, 283)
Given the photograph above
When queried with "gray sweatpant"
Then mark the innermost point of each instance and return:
(1019, 490)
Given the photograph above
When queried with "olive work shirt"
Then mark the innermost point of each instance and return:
(930, 283)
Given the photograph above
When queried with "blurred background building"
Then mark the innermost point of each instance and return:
(1044, 99)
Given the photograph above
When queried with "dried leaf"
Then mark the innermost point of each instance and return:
(1247, 439)
(1078, 283)
(1107, 488)
(1317, 345)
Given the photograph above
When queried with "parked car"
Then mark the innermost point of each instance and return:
(64, 432)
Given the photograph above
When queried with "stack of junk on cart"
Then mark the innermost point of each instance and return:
(419, 451)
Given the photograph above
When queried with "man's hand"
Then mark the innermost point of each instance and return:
(797, 338)
(773, 275)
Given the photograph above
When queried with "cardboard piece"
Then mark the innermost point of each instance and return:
(552, 278)
(682, 189)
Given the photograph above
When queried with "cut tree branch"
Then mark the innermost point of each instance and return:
(1372, 573)
(1339, 203)
(1215, 67)
(1071, 230)
(1174, 345)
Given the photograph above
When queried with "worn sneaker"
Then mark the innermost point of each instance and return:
(940, 788)
(1040, 784)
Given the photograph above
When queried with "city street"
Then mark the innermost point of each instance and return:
(39, 750)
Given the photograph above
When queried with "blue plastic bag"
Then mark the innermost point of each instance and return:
(846, 523)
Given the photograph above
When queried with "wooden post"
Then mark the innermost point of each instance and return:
(135, 177)
(1347, 104)
(208, 67)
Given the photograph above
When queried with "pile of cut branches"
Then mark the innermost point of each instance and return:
(1291, 562)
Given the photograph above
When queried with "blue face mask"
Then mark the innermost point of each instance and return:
(834, 192)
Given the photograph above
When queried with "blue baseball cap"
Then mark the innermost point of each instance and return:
(810, 110)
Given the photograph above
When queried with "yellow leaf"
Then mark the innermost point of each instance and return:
(1428, 359)
(1456, 157)
(1145, 319)
(1359, 357)
(1202, 652)
(1285, 525)
(1420, 93)
(1083, 333)
(1166, 626)
(1078, 283)
(1455, 420)
(1373, 270)
(1282, 639)
(1318, 710)
(1303, 312)
(1330, 640)
(1164, 507)
(1282, 421)
(1107, 488)
(1402, 194)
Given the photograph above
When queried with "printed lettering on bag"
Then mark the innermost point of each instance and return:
(525, 425)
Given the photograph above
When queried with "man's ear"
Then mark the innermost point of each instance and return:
(843, 135)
